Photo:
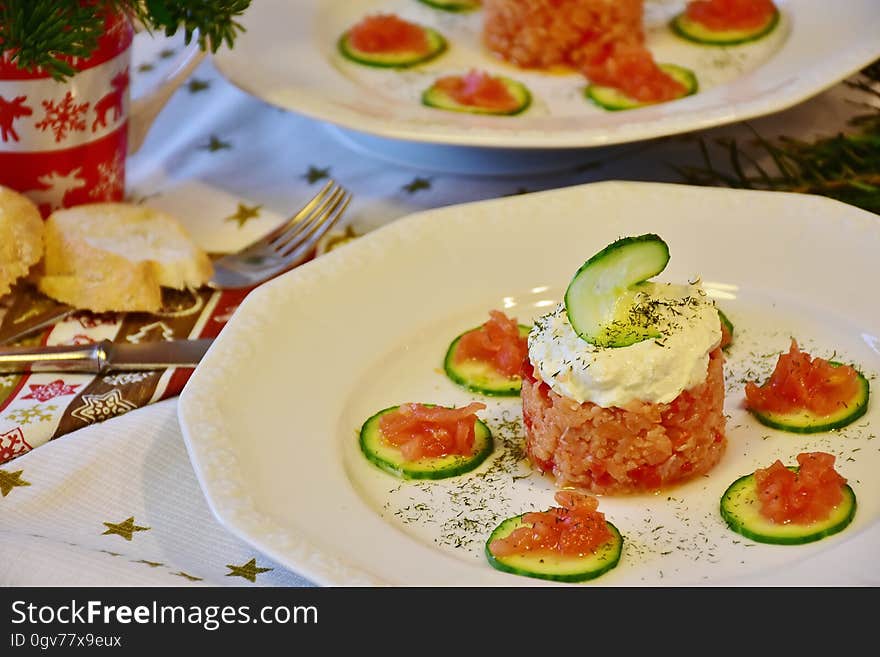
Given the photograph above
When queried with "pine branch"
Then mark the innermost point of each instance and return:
(845, 166)
(37, 32)
(41, 33)
(213, 20)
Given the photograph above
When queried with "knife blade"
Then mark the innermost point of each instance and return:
(30, 312)
(104, 356)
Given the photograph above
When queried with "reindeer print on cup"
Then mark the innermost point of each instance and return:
(9, 112)
(112, 100)
(55, 188)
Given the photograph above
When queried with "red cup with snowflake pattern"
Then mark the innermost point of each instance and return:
(65, 143)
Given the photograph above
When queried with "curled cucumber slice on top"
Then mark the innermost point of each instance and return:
(600, 293)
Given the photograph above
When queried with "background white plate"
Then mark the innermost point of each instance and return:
(288, 58)
(271, 415)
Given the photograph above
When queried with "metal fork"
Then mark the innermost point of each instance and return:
(286, 246)
(281, 249)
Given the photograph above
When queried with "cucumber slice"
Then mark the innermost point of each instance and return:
(480, 377)
(727, 326)
(434, 97)
(600, 294)
(615, 100)
(806, 422)
(436, 42)
(699, 33)
(456, 6)
(558, 569)
(389, 458)
(741, 510)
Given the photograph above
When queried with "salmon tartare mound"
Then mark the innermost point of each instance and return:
(603, 39)
(623, 387)
(548, 33)
(638, 447)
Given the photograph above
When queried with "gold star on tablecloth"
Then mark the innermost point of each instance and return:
(195, 85)
(215, 144)
(124, 529)
(10, 480)
(314, 174)
(417, 184)
(249, 571)
(245, 213)
(334, 239)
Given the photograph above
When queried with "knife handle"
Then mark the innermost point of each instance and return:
(92, 358)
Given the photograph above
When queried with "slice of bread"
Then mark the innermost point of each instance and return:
(21, 237)
(117, 257)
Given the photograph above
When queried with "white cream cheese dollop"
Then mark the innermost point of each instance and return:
(654, 370)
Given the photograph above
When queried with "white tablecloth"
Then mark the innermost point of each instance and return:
(118, 503)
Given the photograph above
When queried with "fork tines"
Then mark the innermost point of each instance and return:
(319, 216)
(286, 246)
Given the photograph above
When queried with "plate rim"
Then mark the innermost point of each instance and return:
(836, 67)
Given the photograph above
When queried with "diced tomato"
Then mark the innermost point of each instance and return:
(646, 476)
(387, 33)
(527, 421)
(543, 465)
(801, 382)
(497, 343)
(801, 497)
(576, 528)
(527, 372)
(478, 89)
(421, 431)
(731, 14)
(630, 67)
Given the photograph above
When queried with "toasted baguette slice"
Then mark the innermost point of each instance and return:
(118, 257)
(21, 237)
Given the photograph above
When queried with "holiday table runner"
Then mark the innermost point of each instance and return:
(38, 407)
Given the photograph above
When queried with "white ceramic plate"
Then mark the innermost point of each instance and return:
(288, 58)
(271, 415)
